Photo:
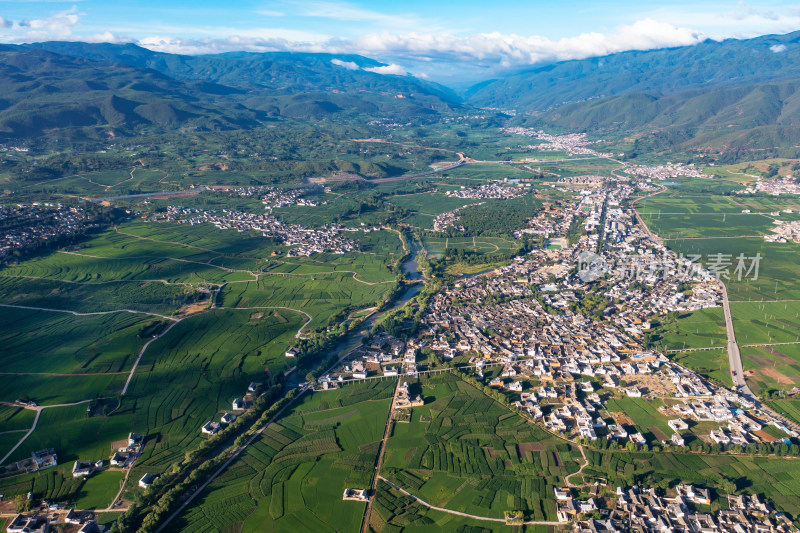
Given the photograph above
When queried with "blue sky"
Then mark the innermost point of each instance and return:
(428, 38)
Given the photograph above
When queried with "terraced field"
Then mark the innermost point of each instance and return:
(292, 478)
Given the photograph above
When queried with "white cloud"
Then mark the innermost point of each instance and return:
(777, 48)
(349, 65)
(388, 69)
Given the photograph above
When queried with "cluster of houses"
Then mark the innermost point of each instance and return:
(302, 240)
(571, 143)
(446, 220)
(273, 197)
(25, 523)
(31, 225)
(661, 172)
(496, 190)
(775, 186)
(384, 356)
(648, 511)
(784, 231)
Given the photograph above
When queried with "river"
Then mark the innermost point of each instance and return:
(353, 337)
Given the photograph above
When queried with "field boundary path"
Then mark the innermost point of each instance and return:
(379, 462)
(467, 515)
(141, 353)
(38, 409)
(76, 313)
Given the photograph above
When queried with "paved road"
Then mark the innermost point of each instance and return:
(734, 356)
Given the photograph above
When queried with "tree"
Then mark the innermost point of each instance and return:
(21, 503)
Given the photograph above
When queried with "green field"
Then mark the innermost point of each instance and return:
(292, 478)
(708, 225)
(464, 451)
(99, 490)
(772, 368)
(704, 328)
(192, 374)
(41, 341)
(645, 416)
(436, 246)
(712, 364)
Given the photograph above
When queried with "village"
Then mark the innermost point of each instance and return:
(32, 225)
(496, 190)
(303, 241)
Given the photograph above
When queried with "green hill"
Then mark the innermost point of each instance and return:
(710, 64)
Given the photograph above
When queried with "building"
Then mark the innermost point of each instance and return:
(45, 458)
(82, 468)
(210, 428)
(146, 480)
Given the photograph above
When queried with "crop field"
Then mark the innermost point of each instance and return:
(710, 363)
(195, 371)
(74, 434)
(777, 479)
(777, 270)
(704, 328)
(14, 418)
(772, 367)
(292, 478)
(644, 413)
(484, 245)
(146, 297)
(766, 322)
(99, 490)
(45, 342)
(430, 203)
(54, 483)
(321, 295)
(708, 225)
(789, 408)
(465, 452)
(393, 510)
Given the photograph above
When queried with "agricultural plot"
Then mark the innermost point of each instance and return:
(145, 297)
(392, 510)
(320, 295)
(789, 408)
(436, 246)
(465, 452)
(708, 225)
(645, 415)
(192, 374)
(54, 483)
(49, 342)
(766, 322)
(292, 478)
(772, 368)
(99, 490)
(704, 328)
(712, 364)
(430, 203)
(15, 419)
(75, 434)
(777, 273)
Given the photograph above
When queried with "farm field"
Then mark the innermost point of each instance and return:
(436, 246)
(320, 295)
(465, 452)
(292, 478)
(772, 368)
(645, 416)
(712, 364)
(393, 509)
(708, 225)
(766, 322)
(74, 434)
(777, 273)
(49, 342)
(704, 328)
(192, 374)
(99, 489)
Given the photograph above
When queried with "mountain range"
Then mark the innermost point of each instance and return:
(721, 97)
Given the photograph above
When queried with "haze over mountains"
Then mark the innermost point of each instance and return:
(717, 96)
